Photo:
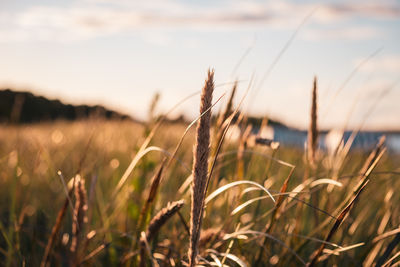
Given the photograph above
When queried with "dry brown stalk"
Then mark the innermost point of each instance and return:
(151, 196)
(368, 166)
(200, 167)
(55, 229)
(80, 218)
(313, 129)
(275, 215)
(342, 216)
(221, 126)
(365, 172)
(155, 224)
(372, 157)
(382, 261)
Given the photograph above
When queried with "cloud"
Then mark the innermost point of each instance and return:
(343, 33)
(370, 10)
(91, 18)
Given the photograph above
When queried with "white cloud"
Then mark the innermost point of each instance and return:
(344, 33)
(336, 11)
(91, 18)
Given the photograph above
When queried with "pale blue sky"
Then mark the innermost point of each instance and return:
(119, 53)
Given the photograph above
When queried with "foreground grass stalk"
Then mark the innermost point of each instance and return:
(312, 140)
(155, 224)
(79, 220)
(342, 216)
(274, 217)
(365, 172)
(312, 145)
(56, 228)
(200, 167)
(221, 126)
(151, 197)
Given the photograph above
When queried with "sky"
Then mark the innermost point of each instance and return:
(119, 53)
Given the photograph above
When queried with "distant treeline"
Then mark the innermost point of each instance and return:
(25, 107)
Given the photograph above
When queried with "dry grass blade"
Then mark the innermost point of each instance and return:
(251, 232)
(366, 170)
(142, 151)
(248, 202)
(151, 196)
(230, 256)
(221, 127)
(386, 235)
(326, 181)
(200, 167)
(230, 185)
(335, 227)
(388, 251)
(228, 108)
(230, 245)
(329, 252)
(283, 190)
(217, 262)
(275, 215)
(65, 187)
(251, 201)
(389, 262)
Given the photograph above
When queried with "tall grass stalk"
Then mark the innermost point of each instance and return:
(200, 167)
(313, 128)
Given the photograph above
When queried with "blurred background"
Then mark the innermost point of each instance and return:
(120, 53)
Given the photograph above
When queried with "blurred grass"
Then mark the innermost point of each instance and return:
(100, 151)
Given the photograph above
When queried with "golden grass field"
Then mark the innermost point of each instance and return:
(90, 193)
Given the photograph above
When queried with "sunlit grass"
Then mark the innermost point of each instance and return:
(32, 193)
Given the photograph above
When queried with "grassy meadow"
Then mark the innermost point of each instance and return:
(107, 193)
